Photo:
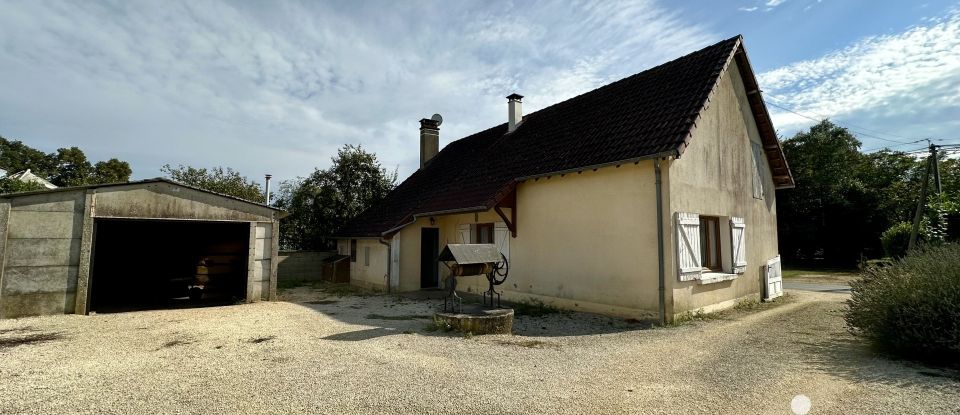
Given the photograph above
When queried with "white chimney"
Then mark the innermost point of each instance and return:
(429, 138)
(514, 112)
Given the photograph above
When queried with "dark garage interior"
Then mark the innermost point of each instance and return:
(148, 264)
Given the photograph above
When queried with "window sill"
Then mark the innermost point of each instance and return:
(715, 277)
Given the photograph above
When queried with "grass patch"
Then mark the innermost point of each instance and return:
(175, 343)
(529, 344)
(692, 316)
(396, 318)
(335, 289)
(33, 338)
(262, 339)
(535, 308)
(322, 302)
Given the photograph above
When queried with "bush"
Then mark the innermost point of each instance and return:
(911, 309)
(896, 239)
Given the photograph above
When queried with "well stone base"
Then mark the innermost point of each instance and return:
(478, 321)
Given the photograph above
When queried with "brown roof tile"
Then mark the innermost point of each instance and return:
(647, 114)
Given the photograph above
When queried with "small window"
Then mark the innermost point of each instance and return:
(483, 233)
(710, 242)
(353, 250)
(366, 256)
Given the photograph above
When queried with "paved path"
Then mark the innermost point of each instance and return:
(816, 287)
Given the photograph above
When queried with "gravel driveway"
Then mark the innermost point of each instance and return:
(374, 355)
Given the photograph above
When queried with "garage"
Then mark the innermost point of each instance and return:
(134, 246)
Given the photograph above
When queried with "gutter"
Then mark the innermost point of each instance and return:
(660, 255)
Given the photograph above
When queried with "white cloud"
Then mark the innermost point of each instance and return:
(278, 87)
(775, 3)
(906, 83)
(747, 9)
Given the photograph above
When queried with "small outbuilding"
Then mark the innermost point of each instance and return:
(132, 246)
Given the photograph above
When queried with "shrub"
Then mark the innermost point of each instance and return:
(911, 309)
(895, 239)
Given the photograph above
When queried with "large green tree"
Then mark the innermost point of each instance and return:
(111, 171)
(218, 179)
(15, 156)
(72, 169)
(844, 200)
(322, 202)
(65, 167)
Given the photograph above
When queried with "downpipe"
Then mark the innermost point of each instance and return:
(660, 256)
(389, 261)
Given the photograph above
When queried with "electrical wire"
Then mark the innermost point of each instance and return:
(847, 125)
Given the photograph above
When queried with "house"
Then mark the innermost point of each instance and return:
(137, 245)
(648, 197)
(27, 176)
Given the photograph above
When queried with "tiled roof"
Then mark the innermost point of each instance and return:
(643, 116)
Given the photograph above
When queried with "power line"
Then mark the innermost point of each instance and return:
(848, 125)
(855, 131)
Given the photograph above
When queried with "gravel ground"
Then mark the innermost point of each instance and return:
(318, 353)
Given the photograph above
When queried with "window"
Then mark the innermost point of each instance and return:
(710, 242)
(483, 233)
(353, 250)
(710, 248)
(758, 169)
(366, 256)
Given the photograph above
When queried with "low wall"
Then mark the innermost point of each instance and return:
(301, 265)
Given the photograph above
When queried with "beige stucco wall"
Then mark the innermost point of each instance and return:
(714, 176)
(584, 242)
(373, 275)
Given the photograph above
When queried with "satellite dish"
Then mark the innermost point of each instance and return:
(437, 118)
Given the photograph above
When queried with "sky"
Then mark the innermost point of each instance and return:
(278, 87)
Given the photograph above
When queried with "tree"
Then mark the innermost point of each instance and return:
(8, 185)
(218, 179)
(324, 201)
(72, 168)
(16, 156)
(111, 171)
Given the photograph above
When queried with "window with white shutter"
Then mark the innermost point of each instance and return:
(738, 244)
(463, 232)
(688, 246)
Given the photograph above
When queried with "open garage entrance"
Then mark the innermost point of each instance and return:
(149, 264)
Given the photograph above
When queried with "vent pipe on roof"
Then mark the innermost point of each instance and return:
(514, 112)
(429, 138)
(266, 192)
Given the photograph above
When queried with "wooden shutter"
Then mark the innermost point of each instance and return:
(463, 232)
(501, 236)
(688, 246)
(738, 244)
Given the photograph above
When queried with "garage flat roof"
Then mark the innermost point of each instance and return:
(135, 182)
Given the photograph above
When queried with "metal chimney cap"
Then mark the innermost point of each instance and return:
(514, 96)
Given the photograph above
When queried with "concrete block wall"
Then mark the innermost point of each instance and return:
(301, 265)
(41, 246)
(259, 284)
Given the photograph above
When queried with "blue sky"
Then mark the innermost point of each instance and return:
(268, 87)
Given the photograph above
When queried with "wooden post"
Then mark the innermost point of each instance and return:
(920, 203)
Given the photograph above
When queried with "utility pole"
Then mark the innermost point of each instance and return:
(922, 201)
(936, 167)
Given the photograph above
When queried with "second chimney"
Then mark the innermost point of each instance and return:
(429, 140)
(514, 112)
